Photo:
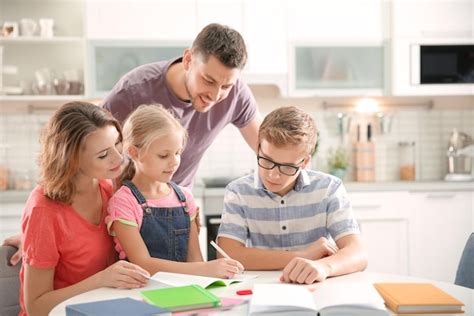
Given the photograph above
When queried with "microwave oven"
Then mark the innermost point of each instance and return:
(442, 64)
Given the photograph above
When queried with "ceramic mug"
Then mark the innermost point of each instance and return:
(28, 27)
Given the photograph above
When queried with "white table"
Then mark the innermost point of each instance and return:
(461, 293)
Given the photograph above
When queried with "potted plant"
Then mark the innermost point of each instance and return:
(338, 162)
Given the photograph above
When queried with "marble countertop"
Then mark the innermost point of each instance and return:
(14, 196)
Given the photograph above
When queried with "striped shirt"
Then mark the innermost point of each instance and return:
(317, 206)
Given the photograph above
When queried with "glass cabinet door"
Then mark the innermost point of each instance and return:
(337, 69)
(110, 60)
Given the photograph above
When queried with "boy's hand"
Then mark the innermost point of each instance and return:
(319, 249)
(300, 270)
(223, 268)
(14, 241)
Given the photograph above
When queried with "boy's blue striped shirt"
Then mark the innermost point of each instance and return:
(317, 207)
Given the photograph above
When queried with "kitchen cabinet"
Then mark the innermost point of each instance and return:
(36, 66)
(418, 23)
(384, 229)
(442, 223)
(109, 60)
(422, 19)
(265, 33)
(141, 19)
(339, 20)
(337, 68)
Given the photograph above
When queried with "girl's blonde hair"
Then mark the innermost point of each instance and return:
(61, 142)
(142, 127)
(289, 126)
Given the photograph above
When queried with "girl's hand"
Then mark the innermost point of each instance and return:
(224, 268)
(123, 275)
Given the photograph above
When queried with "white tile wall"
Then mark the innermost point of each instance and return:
(429, 129)
(19, 135)
(229, 155)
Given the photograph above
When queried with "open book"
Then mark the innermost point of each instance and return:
(328, 299)
(178, 279)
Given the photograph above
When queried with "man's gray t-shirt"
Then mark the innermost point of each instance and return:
(147, 85)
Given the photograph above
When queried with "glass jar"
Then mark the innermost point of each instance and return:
(406, 159)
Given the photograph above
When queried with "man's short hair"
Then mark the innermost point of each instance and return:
(289, 126)
(222, 42)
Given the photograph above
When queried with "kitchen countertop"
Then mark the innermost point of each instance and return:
(14, 196)
(413, 186)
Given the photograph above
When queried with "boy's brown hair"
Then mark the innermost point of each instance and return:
(61, 142)
(289, 126)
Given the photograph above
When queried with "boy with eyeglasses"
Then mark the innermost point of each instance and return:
(285, 216)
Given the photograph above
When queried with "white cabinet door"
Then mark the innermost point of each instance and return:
(265, 25)
(141, 19)
(428, 19)
(337, 20)
(442, 223)
(265, 34)
(385, 229)
(345, 68)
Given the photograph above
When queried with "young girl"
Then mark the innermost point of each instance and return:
(152, 218)
(66, 247)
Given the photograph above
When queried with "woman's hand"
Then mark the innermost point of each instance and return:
(123, 275)
(14, 241)
(223, 268)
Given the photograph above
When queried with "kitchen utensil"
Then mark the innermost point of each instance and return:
(385, 122)
(343, 124)
(459, 166)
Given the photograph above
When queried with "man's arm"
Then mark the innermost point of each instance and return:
(250, 131)
(351, 257)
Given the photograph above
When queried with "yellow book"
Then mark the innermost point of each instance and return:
(418, 298)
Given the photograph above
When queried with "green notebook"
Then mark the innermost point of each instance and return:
(181, 298)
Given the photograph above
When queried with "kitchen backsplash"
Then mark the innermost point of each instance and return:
(230, 156)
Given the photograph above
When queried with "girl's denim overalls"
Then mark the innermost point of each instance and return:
(165, 230)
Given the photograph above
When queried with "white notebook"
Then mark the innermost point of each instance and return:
(326, 300)
(178, 279)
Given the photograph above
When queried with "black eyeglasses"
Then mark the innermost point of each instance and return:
(289, 170)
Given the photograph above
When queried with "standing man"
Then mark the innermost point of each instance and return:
(202, 89)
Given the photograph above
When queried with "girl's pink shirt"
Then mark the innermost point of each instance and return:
(124, 207)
